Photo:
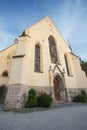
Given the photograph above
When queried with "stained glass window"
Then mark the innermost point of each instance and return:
(52, 49)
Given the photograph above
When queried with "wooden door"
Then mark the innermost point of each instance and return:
(56, 89)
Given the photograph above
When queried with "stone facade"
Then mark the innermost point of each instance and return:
(15, 97)
(59, 71)
(74, 91)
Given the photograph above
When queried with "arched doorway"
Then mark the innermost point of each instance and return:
(58, 87)
(3, 90)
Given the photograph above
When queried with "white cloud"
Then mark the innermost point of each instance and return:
(70, 16)
(72, 24)
(6, 39)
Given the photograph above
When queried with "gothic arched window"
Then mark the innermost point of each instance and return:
(52, 49)
(68, 65)
(37, 58)
(5, 73)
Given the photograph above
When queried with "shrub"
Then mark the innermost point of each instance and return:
(82, 97)
(44, 100)
(83, 93)
(32, 99)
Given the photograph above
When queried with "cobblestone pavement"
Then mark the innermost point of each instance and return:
(64, 118)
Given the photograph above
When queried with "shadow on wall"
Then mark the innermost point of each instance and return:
(3, 90)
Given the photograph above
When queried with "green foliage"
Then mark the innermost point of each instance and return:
(82, 97)
(83, 93)
(32, 99)
(44, 100)
(84, 66)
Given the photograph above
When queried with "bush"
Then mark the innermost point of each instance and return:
(82, 97)
(32, 99)
(83, 93)
(44, 100)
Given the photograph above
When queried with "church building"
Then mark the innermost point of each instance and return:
(41, 59)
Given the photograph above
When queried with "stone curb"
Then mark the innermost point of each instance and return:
(60, 105)
(25, 110)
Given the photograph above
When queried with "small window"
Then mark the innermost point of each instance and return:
(5, 74)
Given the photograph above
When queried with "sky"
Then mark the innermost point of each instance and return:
(69, 16)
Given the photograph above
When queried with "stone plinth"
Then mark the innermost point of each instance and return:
(15, 97)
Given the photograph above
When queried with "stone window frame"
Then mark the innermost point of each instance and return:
(37, 64)
(53, 50)
(68, 65)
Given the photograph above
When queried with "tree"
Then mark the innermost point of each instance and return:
(84, 66)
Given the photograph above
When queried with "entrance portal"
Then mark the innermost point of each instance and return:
(56, 88)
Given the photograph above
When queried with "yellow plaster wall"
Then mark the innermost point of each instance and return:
(22, 70)
(80, 75)
(6, 62)
(26, 45)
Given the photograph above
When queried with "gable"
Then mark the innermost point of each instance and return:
(43, 29)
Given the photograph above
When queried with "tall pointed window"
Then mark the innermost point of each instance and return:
(68, 65)
(52, 49)
(37, 58)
